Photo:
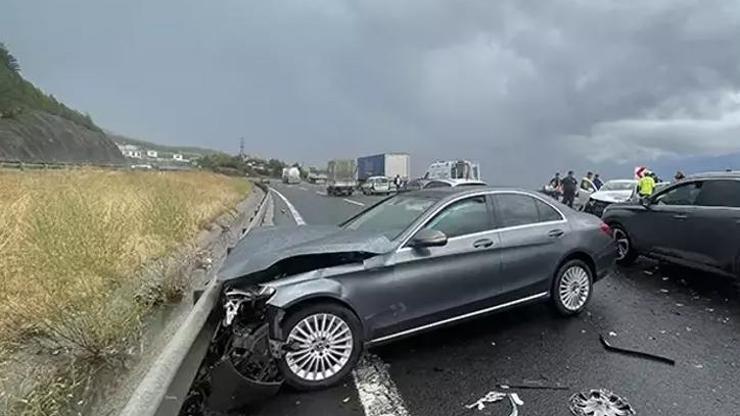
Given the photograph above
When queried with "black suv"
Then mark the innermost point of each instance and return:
(694, 223)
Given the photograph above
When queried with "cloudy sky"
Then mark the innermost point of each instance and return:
(525, 87)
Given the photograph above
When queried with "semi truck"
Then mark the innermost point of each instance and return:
(389, 165)
(453, 169)
(340, 177)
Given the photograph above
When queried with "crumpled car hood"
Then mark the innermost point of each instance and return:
(263, 247)
(612, 196)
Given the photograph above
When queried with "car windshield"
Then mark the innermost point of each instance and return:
(618, 186)
(392, 216)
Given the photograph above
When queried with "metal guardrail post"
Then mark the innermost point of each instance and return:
(149, 396)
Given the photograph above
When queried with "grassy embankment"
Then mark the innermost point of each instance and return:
(72, 244)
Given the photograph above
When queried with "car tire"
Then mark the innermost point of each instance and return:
(572, 287)
(624, 242)
(294, 365)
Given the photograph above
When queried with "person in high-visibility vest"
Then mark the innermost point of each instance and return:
(646, 185)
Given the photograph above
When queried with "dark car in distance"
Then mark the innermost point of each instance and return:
(693, 223)
(413, 262)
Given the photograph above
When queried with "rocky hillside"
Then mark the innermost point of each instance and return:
(35, 127)
(35, 136)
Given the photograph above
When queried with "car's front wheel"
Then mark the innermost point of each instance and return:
(324, 344)
(572, 287)
(626, 253)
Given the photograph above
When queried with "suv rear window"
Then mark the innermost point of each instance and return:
(720, 193)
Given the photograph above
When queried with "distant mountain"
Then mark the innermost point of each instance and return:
(35, 127)
(667, 167)
(188, 151)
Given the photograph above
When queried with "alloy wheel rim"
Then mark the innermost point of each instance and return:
(623, 243)
(574, 288)
(322, 345)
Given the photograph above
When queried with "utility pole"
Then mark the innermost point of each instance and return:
(241, 148)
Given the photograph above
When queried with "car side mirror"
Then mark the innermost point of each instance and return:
(428, 238)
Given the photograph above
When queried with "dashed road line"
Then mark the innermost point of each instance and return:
(322, 193)
(303, 188)
(353, 202)
(293, 211)
(377, 391)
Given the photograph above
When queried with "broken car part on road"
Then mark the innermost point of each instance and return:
(599, 403)
(635, 353)
(495, 396)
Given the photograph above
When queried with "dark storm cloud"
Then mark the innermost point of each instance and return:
(525, 87)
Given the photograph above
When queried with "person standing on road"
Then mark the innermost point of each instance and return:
(597, 182)
(554, 184)
(679, 176)
(587, 183)
(570, 187)
(397, 182)
(646, 185)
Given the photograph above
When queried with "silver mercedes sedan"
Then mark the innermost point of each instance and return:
(318, 295)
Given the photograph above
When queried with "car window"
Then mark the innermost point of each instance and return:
(720, 193)
(463, 217)
(437, 185)
(680, 195)
(392, 216)
(546, 212)
(516, 209)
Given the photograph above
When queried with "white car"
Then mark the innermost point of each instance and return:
(376, 185)
(618, 190)
(451, 183)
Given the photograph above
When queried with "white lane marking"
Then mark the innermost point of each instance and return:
(376, 389)
(302, 188)
(353, 202)
(322, 193)
(294, 212)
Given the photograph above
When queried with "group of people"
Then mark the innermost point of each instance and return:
(568, 187)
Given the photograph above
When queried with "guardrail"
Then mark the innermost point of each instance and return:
(175, 369)
(42, 165)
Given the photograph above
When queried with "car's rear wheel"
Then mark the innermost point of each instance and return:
(626, 253)
(572, 287)
(324, 342)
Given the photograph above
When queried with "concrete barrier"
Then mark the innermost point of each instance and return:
(163, 389)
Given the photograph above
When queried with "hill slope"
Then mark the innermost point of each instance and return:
(36, 127)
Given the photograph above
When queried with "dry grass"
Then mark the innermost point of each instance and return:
(72, 240)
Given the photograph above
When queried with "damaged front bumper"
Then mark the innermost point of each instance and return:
(241, 367)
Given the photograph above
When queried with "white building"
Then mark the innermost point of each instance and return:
(178, 156)
(152, 154)
(130, 150)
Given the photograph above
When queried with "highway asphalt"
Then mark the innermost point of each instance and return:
(690, 317)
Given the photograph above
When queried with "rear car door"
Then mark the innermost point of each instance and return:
(531, 232)
(664, 227)
(715, 225)
(438, 283)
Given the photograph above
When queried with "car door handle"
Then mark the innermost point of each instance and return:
(483, 243)
(556, 233)
(680, 216)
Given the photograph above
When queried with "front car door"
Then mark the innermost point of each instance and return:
(663, 228)
(715, 226)
(436, 284)
(531, 232)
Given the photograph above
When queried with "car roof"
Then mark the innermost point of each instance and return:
(455, 182)
(450, 192)
(733, 174)
(622, 181)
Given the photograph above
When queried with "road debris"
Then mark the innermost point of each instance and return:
(612, 334)
(533, 386)
(664, 291)
(635, 353)
(495, 396)
(599, 403)
(648, 272)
